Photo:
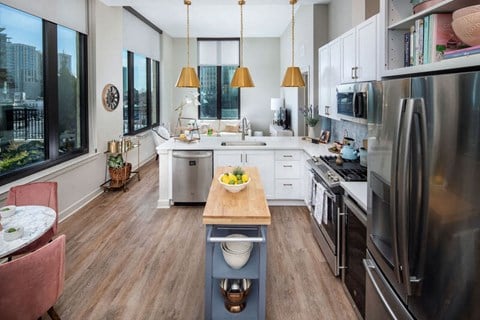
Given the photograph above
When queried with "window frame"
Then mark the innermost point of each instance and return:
(130, 84)
(219, 83)
(51, 103)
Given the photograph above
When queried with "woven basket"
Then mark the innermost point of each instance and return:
(121, 174)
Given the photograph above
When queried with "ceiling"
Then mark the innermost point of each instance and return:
(217, 18)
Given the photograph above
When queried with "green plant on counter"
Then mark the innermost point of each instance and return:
(310, 116)
(116, 161)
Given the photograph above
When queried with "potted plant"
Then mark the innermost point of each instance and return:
(311, 120)
(119, 169)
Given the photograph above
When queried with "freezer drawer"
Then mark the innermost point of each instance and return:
(382, 302)
(192, 175)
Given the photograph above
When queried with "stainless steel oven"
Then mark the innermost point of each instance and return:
(326, 203)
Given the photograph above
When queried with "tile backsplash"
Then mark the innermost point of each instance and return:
(354, 130)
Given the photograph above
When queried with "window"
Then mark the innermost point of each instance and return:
(218, 60)
(141, 104)
(43, 116)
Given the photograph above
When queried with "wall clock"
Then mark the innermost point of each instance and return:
(110, 97)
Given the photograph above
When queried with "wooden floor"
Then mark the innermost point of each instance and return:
(128, 260)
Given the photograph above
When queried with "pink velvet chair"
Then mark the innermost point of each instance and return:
(32, 284)
(35, 193)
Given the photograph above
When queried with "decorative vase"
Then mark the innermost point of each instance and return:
(311, 132)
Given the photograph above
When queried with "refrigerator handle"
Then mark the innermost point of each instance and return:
(415, 107)
(403, 196)
(394, 185)
(425, 191)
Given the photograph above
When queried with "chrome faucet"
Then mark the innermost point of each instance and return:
(244, 127)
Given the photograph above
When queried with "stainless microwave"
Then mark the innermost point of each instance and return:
(354, 100)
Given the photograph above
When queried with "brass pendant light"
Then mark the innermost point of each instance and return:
(293, 76)
(241, 78)
(188, 77)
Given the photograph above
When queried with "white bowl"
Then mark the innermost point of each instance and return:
(235, 260)
(7, 211)
(233, 188)
(467, 28)
(465, 11)
(10, 236)
(238, 246)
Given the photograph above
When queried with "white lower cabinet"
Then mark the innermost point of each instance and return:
(288, 182)
(262, 159)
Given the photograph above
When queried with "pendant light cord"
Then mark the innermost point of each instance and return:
(293, 31)
(187, 3)
(241, 3)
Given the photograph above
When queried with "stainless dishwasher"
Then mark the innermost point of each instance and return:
(192, 175)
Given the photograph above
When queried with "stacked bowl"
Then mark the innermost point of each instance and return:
(236, 253)
(466, 24)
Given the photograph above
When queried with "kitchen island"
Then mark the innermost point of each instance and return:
(247, 213)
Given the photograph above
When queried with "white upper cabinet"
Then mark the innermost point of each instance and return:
(398, 18)
(359, 52)
(329, 77)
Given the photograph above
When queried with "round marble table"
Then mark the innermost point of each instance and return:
(35, 220)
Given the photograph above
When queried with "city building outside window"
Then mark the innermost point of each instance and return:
(43, 116)
(141, 105)
(217, 61)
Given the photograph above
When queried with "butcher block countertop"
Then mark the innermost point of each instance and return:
(247, 207)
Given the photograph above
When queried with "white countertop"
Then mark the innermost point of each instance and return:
(273, 143)
(358, 191)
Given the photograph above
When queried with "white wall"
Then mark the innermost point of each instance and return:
(345, 14)
(179, 52)
(311, 32)
(167, 80)
(261, 56)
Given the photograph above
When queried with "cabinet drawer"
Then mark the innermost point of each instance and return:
(287, 169)
(288, 189)
(288, 155)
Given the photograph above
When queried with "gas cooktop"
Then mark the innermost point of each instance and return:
(333, 174)
(350, 170)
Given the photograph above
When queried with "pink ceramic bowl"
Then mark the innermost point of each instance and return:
(465, 11)
(467, 28)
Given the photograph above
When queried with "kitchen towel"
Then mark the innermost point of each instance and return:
(320, 212)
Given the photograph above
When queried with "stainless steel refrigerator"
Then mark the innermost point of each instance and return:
(423, 231)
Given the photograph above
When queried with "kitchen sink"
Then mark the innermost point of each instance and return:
(243, 143)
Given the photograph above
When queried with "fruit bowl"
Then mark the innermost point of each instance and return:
(233, 188)
(234, 181)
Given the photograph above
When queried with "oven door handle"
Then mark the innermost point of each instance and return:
(319, 180)
(327, 192)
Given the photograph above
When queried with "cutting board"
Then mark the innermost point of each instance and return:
(247, 207)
